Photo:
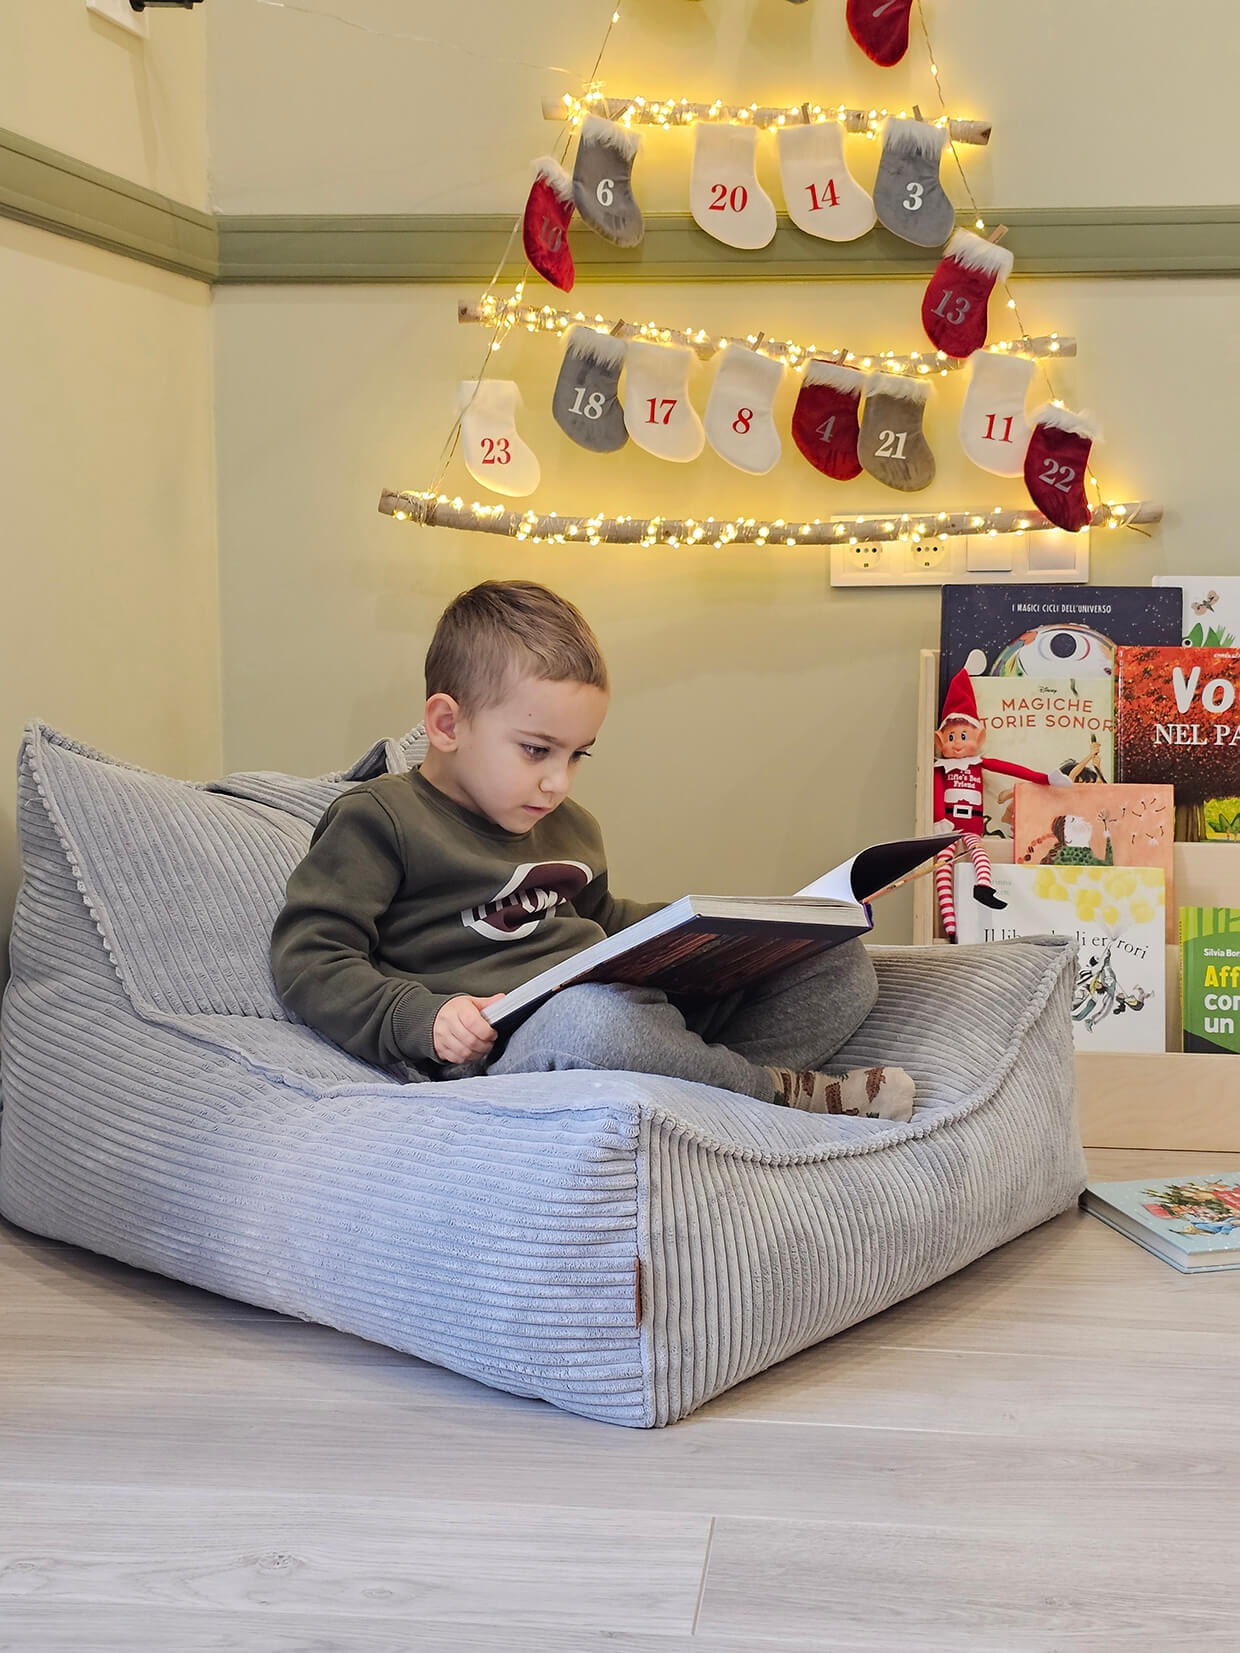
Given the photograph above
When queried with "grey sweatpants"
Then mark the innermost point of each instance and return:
(797, 1019)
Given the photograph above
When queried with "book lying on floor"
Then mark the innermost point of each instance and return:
(707, 946)
(1193, 1223)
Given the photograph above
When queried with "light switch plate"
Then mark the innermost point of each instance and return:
(122, 14)
(1047, 556)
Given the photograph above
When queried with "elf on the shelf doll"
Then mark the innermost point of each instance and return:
(958, 770)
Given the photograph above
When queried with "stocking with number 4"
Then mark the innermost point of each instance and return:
(494, 454)
(586, 402)
(827, 419)
(657, 409)
(1057, 464)
(740, 425)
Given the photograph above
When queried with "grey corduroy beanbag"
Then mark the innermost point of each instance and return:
(623, 1246)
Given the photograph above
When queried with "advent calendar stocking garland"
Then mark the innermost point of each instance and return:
(845, 420)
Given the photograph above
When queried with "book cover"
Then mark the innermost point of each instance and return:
(1210, 617)
(1117, 915)
(1191, 1222)
(1049, 724)
(1177, 721)
(1210, 979)
(1049, 630)
(1097, 826)
(703, 947)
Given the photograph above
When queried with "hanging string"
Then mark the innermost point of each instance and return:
(451, 442)
(979, 224)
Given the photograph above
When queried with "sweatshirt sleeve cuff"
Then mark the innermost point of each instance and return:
(413, 1020)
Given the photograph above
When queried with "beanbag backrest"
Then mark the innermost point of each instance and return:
(184, 881)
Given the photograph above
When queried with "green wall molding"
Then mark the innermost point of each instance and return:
(57, 192)
(466, 247)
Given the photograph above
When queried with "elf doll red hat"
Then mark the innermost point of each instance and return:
(960, 703)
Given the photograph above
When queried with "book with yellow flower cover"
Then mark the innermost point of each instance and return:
(1117, 915)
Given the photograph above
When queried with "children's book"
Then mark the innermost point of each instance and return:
(1117, 915)
(1049, 630)
(1210, 979)
(1097, 826)
(1177, 720)
(1211, 612)
(1191, 1222)
(706, 946)
(1047, 724)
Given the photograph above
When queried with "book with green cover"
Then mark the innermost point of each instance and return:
(1210, 979)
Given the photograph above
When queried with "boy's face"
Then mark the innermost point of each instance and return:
(516, 761)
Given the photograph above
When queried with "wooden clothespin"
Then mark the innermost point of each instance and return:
(618, 329)
(916, 111)
(996, 235)
(805, 115)
(757, 342)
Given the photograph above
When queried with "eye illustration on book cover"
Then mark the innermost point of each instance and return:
(1049, 630)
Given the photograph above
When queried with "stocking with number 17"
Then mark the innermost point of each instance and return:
(657, 409)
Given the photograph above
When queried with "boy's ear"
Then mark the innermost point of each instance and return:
(442, 718)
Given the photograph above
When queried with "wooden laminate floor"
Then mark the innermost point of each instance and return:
(1040, 1453)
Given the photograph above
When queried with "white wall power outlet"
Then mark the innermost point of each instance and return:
(122, 14)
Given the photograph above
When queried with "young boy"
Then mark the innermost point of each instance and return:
(425, 897)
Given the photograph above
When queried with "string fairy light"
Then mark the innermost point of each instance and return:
(437, 510)
(669, 112)
(504, 316)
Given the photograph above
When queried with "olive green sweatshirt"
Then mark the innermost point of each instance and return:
(406, 899)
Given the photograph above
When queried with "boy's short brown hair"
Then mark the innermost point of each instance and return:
(503, 630)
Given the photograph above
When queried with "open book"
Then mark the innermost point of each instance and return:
(706, 946)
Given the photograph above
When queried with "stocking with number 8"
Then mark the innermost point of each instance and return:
(1057, 464)
(493, 452)
(657, 409)
(954, 309)
(740, 425)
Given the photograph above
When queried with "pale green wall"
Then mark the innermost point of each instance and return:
(109, 624)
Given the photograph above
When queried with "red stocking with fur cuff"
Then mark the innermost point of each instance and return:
(954, 309)
(1057, 464)
(545, 226)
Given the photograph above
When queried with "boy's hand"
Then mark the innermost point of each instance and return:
(460, 1032)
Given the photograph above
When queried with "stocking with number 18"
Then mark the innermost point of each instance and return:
(1057, 464)
(826, 420)
(586, 402)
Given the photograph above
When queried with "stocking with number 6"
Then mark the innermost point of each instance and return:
(826, 420)
(739, 419)
(954, 309)
(892, 445)
(586, 402)
(657, 409)
(725, 197)
(908, 197)
(494, 454)
(544, 228)
(602, 182)
(1057, 463)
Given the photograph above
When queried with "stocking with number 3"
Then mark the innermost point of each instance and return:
(908, 197)
(494, 454)
(1057, 464)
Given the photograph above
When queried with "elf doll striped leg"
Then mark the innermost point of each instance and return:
(983, 883)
